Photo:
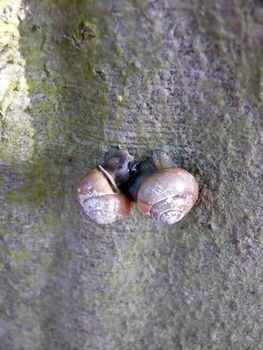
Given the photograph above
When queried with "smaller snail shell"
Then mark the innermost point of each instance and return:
(168, 195)
(100, 200)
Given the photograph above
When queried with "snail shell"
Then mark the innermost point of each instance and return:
(168, 195)
(100, 198)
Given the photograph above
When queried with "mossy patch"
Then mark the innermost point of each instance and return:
(20, 257)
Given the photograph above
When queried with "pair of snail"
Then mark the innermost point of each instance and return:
(161, 192)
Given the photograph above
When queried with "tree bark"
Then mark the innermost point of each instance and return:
(184, 76)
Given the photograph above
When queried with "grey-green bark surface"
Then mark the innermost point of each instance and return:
(185, 76)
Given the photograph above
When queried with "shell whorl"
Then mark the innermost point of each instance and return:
(168, 195)
(94, 184)
(100, 200)
(107, 208)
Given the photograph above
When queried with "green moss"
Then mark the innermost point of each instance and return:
(133, 69)
(85, 300)
(1, 179)
(41, 185)
(240, 53)
(159, 65)
(83, 106)
(20, 257)
(140, 4)
(33, 193)
(19, 138)
(2, 229)
(11, 85)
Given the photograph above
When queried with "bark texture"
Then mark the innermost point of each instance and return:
(184, 76)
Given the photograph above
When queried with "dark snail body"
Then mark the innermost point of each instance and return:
(121, 166)
(144, 171)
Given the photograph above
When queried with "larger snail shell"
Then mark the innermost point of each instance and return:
(101, 200)
(168, 195)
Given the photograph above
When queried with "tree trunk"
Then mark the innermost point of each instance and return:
(184, 76)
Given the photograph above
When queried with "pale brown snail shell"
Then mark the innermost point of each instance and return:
(101, 199)
(168, 195)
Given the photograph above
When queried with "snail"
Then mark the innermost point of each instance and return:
(163, 192)
(99, 191)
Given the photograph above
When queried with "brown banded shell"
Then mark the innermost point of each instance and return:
(168, 195)
(101, 200)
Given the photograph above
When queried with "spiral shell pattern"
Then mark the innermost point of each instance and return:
(168, 195)
(100, 200)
